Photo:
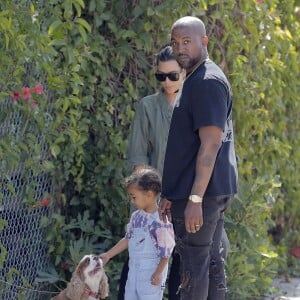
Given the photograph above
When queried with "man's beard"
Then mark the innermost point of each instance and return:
(188, 65)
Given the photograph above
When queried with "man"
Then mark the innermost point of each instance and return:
(200, 173)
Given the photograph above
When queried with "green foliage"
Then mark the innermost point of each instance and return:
(95, 60)
(256, 43)
(247, 227)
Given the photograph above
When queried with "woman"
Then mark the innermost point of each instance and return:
(149, 132)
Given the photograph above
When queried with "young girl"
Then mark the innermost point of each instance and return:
(149, 241)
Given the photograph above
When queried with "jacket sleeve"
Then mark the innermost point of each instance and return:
(138, 144)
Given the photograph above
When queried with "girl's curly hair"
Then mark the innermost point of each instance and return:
(146, 179)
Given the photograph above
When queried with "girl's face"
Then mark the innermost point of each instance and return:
(145, 200)
(166, 67)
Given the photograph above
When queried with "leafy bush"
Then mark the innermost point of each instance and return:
(94, 59)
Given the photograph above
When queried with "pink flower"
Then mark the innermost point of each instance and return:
(16, 95)
(38, 89)
(43, 203)
(33, 104)
(64, 266)
(26, 93)
(259, 1)
(295, 251)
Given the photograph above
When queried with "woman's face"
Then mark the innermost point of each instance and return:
(166, 67)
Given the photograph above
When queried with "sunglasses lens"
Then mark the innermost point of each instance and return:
(160, 76)
(174, 76)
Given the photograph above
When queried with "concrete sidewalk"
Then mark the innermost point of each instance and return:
(288, 289)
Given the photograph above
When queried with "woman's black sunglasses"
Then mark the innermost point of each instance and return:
(173, 76)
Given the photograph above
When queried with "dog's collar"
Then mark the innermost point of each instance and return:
(91, 293)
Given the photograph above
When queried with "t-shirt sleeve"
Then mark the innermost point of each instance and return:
(163, 236)
(137, 147)
(209, 104)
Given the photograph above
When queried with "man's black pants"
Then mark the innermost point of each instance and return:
(201, 261)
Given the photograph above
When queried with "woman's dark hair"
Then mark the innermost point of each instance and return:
(165, 54)
(146, 179)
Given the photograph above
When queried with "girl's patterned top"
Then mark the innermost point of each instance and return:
(161, 233)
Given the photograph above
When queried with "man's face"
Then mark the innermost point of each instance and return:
(187, 46)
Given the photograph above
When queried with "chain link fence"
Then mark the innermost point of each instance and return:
(22, 242)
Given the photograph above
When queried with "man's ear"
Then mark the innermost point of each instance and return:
(205, 40)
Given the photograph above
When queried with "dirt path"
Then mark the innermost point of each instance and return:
(288, 290)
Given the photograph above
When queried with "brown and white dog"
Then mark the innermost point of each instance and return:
(88, 282)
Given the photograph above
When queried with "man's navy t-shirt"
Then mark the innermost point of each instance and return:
(206, 100)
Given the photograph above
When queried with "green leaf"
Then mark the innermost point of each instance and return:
(58, 42)
(3, 255)
(82, 33)
(48, 165)
(54, 27)
(81, 3)
(55, 150)
(49, 276)
(92, 6)
(84, 24)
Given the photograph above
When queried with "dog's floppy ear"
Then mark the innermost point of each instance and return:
(103, 287)
(75, 287)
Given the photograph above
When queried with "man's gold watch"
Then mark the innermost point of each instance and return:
(195, 198)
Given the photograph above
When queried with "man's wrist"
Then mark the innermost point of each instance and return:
(195, 199)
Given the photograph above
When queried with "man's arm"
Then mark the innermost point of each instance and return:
(211, 141)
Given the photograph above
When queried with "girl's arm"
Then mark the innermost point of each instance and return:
(115, 250)
(156, 278)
